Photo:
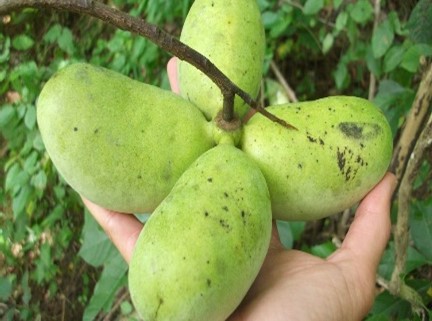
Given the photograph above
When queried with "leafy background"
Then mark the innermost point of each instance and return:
(56, 263)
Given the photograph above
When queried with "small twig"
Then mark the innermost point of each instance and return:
(116, 305)
(413, 122)
(373, 80)
(287, 88)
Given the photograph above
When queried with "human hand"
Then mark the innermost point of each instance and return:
(294, 285)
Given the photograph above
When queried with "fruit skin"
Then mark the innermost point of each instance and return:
(118, 142)
(231, 35)
(201, 249)
(342, 148)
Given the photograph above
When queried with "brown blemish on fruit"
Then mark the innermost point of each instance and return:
(363, 131)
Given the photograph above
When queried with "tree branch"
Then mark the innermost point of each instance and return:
(164, 40)
(411, 128)
(401, 232)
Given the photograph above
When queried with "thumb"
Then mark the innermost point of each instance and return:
(370, 230)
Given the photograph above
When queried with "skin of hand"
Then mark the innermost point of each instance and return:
(293, 285)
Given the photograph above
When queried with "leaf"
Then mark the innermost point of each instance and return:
(340, 75)
(421, 227)
(420, 22)
(312, 7)
(389, 305)
(323, 250)
(285, 234)
(362, 11)
(414, 260)
(19, 202)
(65, 41)
(53, 33)
(39, 181)
(341, 20)
(411, 58)
(112, 278)
(22, 42)
(382, 38)
(393, 58)
(328, 43)
(7, 113)
(15, 178)
(30, 117)
(5, 288)
(96, 249)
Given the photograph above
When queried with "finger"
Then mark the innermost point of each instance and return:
(370, 230)
(122, 229)
(172, 74)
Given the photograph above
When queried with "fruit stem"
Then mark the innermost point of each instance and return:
(228, 106)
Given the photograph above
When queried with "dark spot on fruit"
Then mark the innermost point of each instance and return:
(96, 130)
(243, 213)
(362, 145)
(359, 130)
(321, 142)
(300, 166)
(226, 194)
(184, 258)
(311, 139)
(75, 129)
(139, 177)
(341, 160)
(206, 214)
(348, 174)
(208, 262)
(225, 208)
(210, 180)
(208, 282)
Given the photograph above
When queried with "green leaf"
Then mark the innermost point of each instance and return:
(328, 43)
(421, 227)
(97, 248)
(65, 41)
(382, 38)
(388, 305)
(323, 250)
(19, 202)
(341, 20)
(5, 288)
(15, 178)
(414, 260)
(30, 117)
(285, 234)
(411, 58)
(53, 34)
(393, 58)
(340, 75)
(39, 181)
(7, 113)
(362, 11)
(113, 277)
(420, 22)
(22, 42)
(312, 7)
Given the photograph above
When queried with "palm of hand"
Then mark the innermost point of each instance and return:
(334, 289)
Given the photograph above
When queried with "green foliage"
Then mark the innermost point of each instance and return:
(51, 253)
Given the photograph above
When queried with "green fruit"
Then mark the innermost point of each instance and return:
(200, 251)
(341, 149)
(231, 35)
(118, 142)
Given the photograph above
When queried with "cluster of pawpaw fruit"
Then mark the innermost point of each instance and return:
(136, 148)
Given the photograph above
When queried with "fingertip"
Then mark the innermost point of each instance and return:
(172, 74)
